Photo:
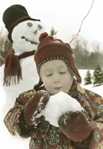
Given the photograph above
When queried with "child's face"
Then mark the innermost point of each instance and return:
(56, 76)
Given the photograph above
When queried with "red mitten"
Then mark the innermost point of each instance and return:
(75, 125)
(33, 108)
(83, 144)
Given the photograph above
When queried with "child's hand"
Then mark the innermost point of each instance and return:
(75, 125)
(33, 108)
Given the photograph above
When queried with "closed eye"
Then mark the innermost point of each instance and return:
(48, 75)
(62, 72)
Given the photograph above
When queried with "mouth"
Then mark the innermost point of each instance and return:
(32, 42)
(58, 88)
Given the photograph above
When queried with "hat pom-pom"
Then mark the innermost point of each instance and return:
(42, 36)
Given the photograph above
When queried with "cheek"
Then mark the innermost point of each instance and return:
(46, 81)
(68, 79)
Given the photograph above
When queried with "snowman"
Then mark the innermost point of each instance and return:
(19, 74)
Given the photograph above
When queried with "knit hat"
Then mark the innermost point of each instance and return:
(55, 49)
(13, 15)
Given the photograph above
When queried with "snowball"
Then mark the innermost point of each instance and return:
(59, 104)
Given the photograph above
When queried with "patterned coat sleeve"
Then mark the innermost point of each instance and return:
(14, 120)
(93, 103)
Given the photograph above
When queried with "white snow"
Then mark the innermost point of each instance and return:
(7, 140)
(11, 142)
(59, 104)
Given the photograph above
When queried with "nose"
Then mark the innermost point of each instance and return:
(35, 32)
(56, 78)
(29, 24)
(56, 81)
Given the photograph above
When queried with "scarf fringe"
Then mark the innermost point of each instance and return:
(13, 80)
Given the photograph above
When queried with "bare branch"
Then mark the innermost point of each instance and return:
(96, 46)
(82, 22)
(2, 58)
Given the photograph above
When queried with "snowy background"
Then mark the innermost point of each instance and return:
(65, 16)
(11, 142)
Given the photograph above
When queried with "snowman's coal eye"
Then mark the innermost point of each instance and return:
(39, 26)
(29, 24)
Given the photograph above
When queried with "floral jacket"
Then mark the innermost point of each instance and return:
(46, 136)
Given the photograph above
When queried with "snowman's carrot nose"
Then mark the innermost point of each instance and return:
(35, 32)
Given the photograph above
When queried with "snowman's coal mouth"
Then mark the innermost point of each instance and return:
(32, 42)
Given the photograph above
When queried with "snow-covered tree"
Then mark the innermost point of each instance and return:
(97, 75)
(53, 32)
(102, 76)
(87, 79)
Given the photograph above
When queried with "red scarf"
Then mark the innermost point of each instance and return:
(12, 71)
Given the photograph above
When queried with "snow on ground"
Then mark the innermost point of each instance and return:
(7, 140)
(98, 89)
(11, 142)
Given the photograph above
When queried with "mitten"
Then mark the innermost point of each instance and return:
(83, 144)
(75, 125)
(33, 108)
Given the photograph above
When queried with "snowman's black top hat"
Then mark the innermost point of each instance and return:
(13, 15)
